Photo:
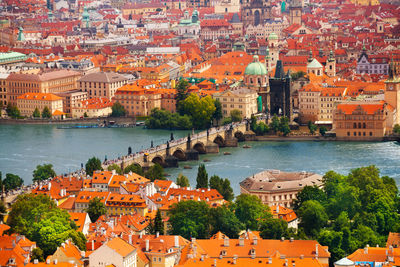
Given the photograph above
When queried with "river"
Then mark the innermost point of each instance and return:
(22, 147)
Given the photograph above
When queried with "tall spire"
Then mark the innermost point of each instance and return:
(310, 57)
(391, 69)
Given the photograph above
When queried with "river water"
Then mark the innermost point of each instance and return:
(22, 147)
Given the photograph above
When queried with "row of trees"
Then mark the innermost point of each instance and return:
(277, 125)
(14, 112)
(192, 111)
(153, 173)
(46, 114)
(198, 219)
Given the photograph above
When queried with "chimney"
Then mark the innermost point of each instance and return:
(215, 262)
(93, 245)
(366, 249)
(130, 239)
(157, 234)
(234, 259)
(391, 249)
(113, 172)
(55, 262)
(147, 245)
(35, 261)
(141, 235)
(49, 186)
(47, 261)
(269, 260)
(176, 241)
(291, 239)
(226, 242)
(241, 241)
(282, 238)
(255, 240)
(277, 209)
(63, 245)
(316, 250)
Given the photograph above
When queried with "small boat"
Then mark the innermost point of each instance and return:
(206, 160)
(227, 153)
(246, 146)
(187, 167)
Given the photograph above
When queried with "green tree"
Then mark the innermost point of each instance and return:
(202, 177)
(13, 111)
(135, 168)
(323, 130)
(115, 167)
(163, 119)
(190, 219)
(249, 210)
(93, 164)
(43, 172)
(312, 217)
(224, 220)
(309, 193)
(236, 115)
(40, 220)
(271, 228)
(312, 127)
(218, 111)
(200, 109)
(37, 254)
(85, 115)
(181, 94)
(253, 123)
(297, 75)
(158, 223)
(182, 181)
(396, 129)
(275, 124)
(226, 121)
(223, 186)
(284, 126)
(3, 210)
(155, 172)
(118, 110)
(95, 209)
(46, 114)
(261, 128)
(12, 181)
(36, 113)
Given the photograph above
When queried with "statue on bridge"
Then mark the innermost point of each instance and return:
(172, 137)
(151, 144)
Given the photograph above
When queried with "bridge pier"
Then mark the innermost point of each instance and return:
(171, 161)
(212, 147)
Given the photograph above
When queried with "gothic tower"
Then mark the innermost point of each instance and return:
(392, 92)
(255, 12)
(280, 95)
(295, 11)
(330, 67)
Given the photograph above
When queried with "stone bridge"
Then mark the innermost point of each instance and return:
(187, 148)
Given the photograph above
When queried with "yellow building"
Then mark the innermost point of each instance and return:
(121, 204)
(242, 99)
(48, 81)
(92, 108)
(142, 8)
(27, 103)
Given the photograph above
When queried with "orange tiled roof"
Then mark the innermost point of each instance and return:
(79, 219)
(368, 108)
(40, 97)
(120, 246)
(283, 213)
(86, 196)
(68, 204)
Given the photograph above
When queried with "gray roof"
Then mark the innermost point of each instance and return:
(102, 77)
(275, 180)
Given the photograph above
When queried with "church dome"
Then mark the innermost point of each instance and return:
(255, 68)
(272, 36)
(85, 14)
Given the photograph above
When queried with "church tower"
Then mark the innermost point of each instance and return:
(255, 12)
(330, 67)
(295, 12)
(392, 92)
(273, 50)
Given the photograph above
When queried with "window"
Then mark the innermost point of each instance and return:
(355, 134)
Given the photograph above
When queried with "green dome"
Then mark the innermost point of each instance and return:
(272, 36)
(255, 68)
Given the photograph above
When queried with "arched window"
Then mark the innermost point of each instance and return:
(359, 125)
(364, 126)
(355, 125)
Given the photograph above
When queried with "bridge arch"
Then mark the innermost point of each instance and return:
(179, 154)
(200, 147)
(239, 135)
(158, 159)
(219, 140)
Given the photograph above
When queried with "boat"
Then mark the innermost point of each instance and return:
(227, 153)
(246, 146)
(187, 167)
(206, 160)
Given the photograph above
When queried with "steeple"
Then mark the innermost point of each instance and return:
(331, 57)
(310, 56)
(391, 70)
(21, 36)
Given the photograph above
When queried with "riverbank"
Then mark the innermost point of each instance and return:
(68, 121)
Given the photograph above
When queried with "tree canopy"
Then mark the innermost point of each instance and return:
(95, 209)
(13, 111)
(43, 172)
(12, 181)
(199, 109)
(236, 115)
(202, 177)
(40, 220)
(36, 113)
(249, 210)
(223, 186)
(46, 114)
(118, 110)
(182, 180)
(136, 168)
(93, 164)
(114, 167)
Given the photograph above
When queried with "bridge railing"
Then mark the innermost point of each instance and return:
(139, 155)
